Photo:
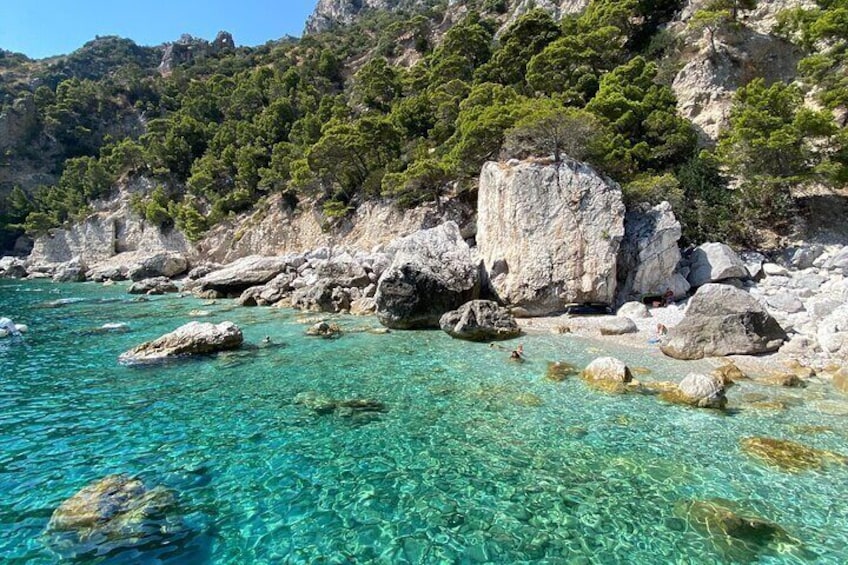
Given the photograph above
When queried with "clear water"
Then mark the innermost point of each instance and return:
(477, 459)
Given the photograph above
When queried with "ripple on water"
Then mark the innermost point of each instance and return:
(473, 459)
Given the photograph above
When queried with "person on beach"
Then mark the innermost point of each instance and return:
(668, 297)
(662, 331)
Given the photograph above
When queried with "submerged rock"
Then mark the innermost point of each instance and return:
(325, 330)
(116, 511)
(194, 338)
(480, 320)
(788, 455)
(739, 535)
(723, 320)
(560, 370)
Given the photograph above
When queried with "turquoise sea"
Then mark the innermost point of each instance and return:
(475, 459)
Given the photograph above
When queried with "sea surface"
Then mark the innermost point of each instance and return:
(475, 458)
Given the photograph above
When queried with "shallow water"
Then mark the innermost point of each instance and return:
(476, 459)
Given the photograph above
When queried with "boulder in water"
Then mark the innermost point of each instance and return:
(480, 320)
(194, 338)
(702, 391)
(325, 330)
(607, 373)
(739, 535)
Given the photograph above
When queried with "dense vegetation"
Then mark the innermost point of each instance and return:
(331, 118)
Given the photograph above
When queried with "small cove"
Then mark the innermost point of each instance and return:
(476, 459)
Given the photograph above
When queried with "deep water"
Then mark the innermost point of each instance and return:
(476, 459)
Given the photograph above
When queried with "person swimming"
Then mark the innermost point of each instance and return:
(518, 353)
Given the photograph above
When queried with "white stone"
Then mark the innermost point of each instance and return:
(549, 235)
(633, 310)
(775, 270)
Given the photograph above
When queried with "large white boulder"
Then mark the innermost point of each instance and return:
(549, 234)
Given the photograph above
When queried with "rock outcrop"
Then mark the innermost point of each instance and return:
(549, 234)
(480, 320)
(240, 275)
(714, 262)
(649, 254)
(194, 338)
(723, 320)
(115, 236)
(432, 272)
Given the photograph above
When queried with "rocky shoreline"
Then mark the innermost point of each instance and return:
(709, 301)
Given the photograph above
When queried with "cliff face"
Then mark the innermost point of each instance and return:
(330, 13)
(116, 235)
(709, 78)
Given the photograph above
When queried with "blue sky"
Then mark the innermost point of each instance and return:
(42, 28)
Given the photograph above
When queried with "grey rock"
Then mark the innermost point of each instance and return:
(833, 333)
(839, 262)
(480, 320)
(804, 257)
(323, 296)
(617, 325)
(810, 281)
(156, 285)
(342, 270)
(633, 310)
(753, 262)
(201, 271)
(432, 272)
(159, 265)
(713, 262)
(549, 234)
(194, 338)
(12, 268)
(607, 369)
(240, 275)
(649, 253)
(785, 302)
(73, 272)
(775, 270)
(722, 320)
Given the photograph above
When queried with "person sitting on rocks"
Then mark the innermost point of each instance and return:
(662, 331)
(668, 297)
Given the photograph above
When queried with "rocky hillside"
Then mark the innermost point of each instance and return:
(732, 111)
